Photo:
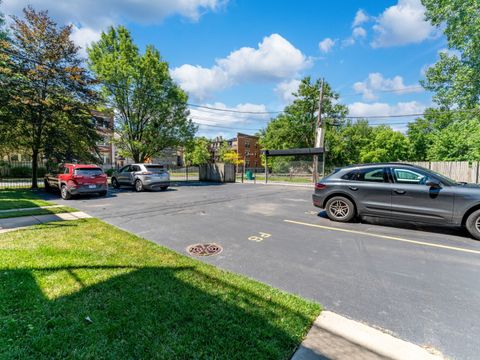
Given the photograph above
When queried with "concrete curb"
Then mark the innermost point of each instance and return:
(310, 186)
(24, 222)
(31, 208)
(335, 337)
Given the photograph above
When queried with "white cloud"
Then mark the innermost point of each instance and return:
(348, 41)
(274, 59)
(285, 90)
(98, 14)
(326, 45)
(402, 24)
(360, 18)
(199, 81)
(83, 37)
(361, 109)
(359, 32)
(376, 82)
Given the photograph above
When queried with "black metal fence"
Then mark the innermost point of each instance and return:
(18, 174)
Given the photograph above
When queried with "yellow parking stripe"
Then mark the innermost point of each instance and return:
(385, 237)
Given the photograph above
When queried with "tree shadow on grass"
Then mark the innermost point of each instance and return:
(144, 313)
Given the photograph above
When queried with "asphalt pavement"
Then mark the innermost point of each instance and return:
(419, 283)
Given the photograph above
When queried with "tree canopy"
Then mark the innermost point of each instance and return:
(151, 109)
(46, 90)
(197, 151)
(455, 78)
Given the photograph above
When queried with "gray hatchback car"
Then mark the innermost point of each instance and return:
(142, 176)
(399, 191)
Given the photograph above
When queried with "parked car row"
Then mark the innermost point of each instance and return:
(401, 192)
(77, 179)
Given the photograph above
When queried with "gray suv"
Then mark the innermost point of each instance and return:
(399, 191)
(142, 176)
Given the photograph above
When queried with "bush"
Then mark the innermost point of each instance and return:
(21, 172)
(109, 172)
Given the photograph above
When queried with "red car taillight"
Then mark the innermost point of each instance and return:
(320, 186)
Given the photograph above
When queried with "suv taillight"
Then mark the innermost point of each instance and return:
(320, 186)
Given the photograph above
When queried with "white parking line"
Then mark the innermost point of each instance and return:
(385, 237)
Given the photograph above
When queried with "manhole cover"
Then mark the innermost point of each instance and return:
(204, 249)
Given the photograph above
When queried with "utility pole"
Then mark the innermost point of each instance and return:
(319, 133)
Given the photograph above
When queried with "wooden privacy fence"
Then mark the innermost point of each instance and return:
(466, 171)
(217, 172)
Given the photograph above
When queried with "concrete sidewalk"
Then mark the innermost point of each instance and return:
(335, 337)
(12, 224)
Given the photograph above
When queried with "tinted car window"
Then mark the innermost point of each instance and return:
(125, 169)
(88, 172)
(369, 174)
(135, 168)
(155, 168)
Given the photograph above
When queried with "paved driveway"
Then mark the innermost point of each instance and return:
(422, 284)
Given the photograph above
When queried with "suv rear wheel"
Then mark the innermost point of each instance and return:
(473, 224)
(340, 208)
(65, 193)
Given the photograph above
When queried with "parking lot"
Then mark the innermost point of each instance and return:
(420, 283)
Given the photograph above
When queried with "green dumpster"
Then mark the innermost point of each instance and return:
(249, 175)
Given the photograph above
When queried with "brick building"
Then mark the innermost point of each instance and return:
(248, 149)
(104, 124)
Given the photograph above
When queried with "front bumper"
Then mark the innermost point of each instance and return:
(85, 189)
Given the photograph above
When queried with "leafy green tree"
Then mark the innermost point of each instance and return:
(151, 109)
(385, 144)
(345, 142)
(46, 87)
(198, 152)
(455, 78)
(295, 127)
(420, 135)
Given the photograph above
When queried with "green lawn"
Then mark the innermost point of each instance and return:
(144, 301)
(16, 199)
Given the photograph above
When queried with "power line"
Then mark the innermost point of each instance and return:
(234, 111)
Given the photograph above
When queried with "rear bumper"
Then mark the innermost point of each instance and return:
(84, 189)
(317, 201)
(154, 185)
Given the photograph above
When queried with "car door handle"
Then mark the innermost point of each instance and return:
(354, 188)
(399, 192)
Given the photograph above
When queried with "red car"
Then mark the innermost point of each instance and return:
(76, 179)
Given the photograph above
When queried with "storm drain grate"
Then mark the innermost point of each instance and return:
(204, 249)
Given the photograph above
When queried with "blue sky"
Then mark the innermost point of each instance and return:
(249, 55)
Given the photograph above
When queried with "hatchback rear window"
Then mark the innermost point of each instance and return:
(88, 172)
(368, 174)
(155, 168)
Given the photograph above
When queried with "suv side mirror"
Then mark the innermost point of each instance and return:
(435, 184)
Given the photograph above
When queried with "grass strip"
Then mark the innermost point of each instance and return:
(84, 289)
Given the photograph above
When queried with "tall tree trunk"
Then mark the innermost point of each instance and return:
(34, 169)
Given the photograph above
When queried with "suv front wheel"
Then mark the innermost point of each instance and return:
(340, 209)
(473, 224)
(65, 193)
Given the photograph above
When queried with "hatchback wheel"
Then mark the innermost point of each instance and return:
(340, 209)
(65, 193)
(473, 224)
(138, 186)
